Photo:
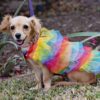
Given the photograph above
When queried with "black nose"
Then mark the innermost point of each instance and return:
(18, 35)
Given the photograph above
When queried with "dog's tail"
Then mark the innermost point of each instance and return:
(64, 83)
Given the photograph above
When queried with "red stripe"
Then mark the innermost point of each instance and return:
(31, 50)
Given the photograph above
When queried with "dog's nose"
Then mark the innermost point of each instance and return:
(18, 35)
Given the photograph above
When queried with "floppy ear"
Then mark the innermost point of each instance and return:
(5, 24)
(35, 23)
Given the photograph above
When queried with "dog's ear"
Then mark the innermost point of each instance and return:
(35, 23)
(5, 24)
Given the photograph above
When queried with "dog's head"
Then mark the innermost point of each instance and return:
(22, 29)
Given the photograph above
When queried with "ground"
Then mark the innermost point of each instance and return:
(20, 89)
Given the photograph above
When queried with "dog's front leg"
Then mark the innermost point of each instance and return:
(47, 76)
(38, 72)
(38, 76)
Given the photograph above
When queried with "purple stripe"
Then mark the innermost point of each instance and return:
(31, 8)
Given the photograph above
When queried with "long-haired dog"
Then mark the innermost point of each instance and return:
(49, 53)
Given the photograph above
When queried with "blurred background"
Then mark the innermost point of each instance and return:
(68, 16)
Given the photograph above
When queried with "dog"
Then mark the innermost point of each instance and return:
(49, 53)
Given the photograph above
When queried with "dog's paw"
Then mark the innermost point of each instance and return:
(47, 87)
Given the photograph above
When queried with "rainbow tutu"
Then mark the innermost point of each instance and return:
(61, 56)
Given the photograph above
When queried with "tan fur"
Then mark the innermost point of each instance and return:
(35, 24)
(4, 27)
(82, 77)
(34, 30)
(78, 78)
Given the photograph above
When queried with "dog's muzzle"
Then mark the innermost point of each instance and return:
(20, 41)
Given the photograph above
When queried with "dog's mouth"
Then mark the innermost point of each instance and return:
(20, 41)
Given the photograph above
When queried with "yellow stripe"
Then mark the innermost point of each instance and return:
(85, 65)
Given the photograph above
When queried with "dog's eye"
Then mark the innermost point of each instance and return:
(12, 27)
(25, 27)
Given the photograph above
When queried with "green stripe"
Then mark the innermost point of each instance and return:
(79, 34)
(98, 76)
(62, 71)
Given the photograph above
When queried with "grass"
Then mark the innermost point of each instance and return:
(22, 89)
